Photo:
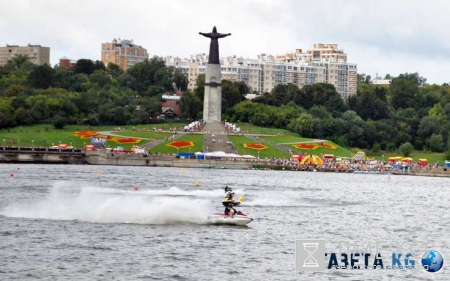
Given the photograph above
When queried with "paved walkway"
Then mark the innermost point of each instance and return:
(216, 138)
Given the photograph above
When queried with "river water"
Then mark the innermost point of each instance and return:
(67, 222)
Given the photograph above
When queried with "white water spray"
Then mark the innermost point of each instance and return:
(88, 204)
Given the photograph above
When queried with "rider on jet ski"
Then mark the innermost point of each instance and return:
(228, 209)
(228, 196)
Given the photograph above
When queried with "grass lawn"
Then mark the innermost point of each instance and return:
(239, 141)
(283, 139)
(145, 135)
(196, 139)
(44, 135)
(289, 141)
(252, 129)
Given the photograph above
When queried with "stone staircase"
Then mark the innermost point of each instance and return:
(215, 139)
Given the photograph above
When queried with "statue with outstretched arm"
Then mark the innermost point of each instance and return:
(214, 46)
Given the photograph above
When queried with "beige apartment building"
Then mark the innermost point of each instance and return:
(38, 55)
(124, 53)
(325, 63)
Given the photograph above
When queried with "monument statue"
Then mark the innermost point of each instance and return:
(214, 45)
(212, 104)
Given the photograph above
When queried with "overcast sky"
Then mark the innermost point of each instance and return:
(394, 36)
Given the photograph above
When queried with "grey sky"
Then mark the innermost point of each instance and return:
(382, 37)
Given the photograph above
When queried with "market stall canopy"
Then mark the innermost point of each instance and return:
(423, 162)
(359, 156)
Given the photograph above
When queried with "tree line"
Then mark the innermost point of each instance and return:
(409, 112)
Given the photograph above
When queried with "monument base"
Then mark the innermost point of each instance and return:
(212, 105)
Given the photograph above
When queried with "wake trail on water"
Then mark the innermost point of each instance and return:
(92, 206)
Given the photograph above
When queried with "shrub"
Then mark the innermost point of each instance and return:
(406, 149)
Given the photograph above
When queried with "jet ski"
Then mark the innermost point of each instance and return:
(221, 218)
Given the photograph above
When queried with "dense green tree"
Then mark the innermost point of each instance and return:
(19, 64)
(180, 80)
(190, 105)
(429, 125)
(84, 66)
(243, 88)
(404, 90)
(280, 94)
(436, 143)
(100, 78)
(230, 95)
(113, 70)
(6, 113)
(320, 111)
(370, 102)
(127, 81)
(23, 117)
(14, 90)
(320, 94)
(146, 75)
(303, 125)
(41, 77)
(200, 87)
(363, 79)
(99, 65)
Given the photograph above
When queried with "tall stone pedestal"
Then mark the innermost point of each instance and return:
(212, 106)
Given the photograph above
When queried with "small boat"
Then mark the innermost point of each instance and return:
(238, 219)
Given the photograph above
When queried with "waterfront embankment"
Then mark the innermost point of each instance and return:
(77, 156)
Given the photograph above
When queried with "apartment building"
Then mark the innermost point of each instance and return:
(325, 63)
(124, 53)
(38, 55)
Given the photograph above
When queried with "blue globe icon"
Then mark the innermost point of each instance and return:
(432, 261)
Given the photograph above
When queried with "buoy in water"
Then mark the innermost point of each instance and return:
(99, 174)
(18, 169)
(241, 198)
(12, 175)
(197, 183)
(135, 188)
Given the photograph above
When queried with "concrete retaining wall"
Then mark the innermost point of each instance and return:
(45, 157)
(100, 158)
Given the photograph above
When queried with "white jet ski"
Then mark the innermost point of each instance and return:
(238, 219)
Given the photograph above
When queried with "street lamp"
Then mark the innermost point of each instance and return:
(258, 155)
(250, 121)
(18, 145)
(262, 127)
(32, 144)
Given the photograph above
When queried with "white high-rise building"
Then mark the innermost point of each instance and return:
(325, 63)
